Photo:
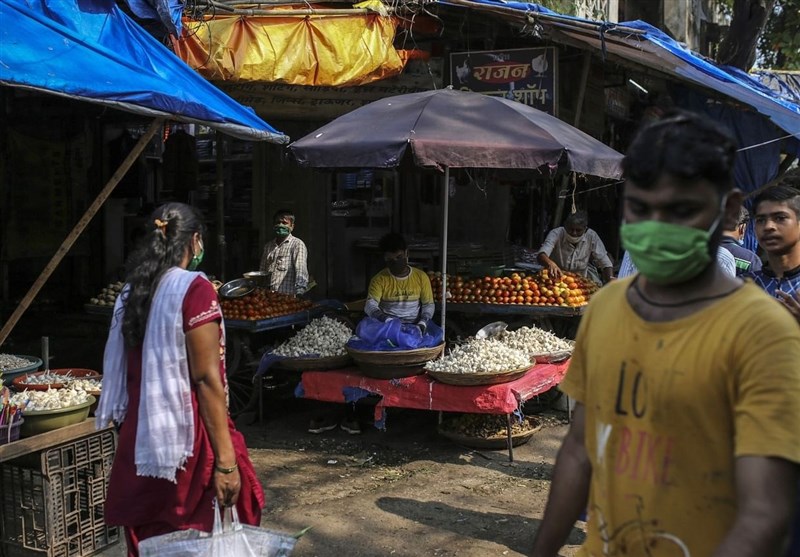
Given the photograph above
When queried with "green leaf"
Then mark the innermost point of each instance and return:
(302, 532)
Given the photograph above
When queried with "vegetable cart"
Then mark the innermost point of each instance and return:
(241, 359)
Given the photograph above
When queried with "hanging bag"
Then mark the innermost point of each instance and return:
(228, 538)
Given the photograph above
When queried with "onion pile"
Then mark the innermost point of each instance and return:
(322, 338)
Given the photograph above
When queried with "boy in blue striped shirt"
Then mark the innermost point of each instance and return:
(777, 226)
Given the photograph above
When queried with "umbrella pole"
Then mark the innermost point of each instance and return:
(445, 214)
(155, 126)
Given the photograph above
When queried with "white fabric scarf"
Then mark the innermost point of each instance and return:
(165, 428)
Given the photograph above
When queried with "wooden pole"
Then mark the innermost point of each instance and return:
(79, 228)
(220, 187)
(587, 61)
(445, 217)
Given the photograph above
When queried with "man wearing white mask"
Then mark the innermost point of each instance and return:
(573, 247)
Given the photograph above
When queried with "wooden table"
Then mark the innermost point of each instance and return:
(47, 440)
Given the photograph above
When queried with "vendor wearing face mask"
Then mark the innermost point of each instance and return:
(399, 291)
(573, 247)
(284, 257)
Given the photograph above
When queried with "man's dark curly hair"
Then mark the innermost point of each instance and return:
(685, 145)
(392, 242)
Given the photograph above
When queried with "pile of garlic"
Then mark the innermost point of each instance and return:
(88, 385)
(77, 383)
(323, 337)
(480, 356)
(533, 340)
(52, 399)
(9, 361)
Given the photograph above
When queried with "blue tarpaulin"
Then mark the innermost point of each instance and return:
(90, 50)
(652, 48)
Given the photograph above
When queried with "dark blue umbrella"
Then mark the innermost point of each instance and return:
(446, 129)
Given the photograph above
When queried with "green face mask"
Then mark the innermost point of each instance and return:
(667, 253)
(281, 230)
(197, 259)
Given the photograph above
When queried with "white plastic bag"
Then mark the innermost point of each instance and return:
(228, 538)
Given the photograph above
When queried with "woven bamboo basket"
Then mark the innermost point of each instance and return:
(394, 364)
(495, 441)
(484, 378)
(553, 357)
(314, 364)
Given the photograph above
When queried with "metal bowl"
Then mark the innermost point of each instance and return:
(491, 330)
(237, 288)
(259, 278)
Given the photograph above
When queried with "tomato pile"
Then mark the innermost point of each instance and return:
(539, 289)
(262, 304)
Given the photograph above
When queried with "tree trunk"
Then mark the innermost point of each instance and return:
(738, 48)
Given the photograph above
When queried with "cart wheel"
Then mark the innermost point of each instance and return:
(233, 352)
(242, 393)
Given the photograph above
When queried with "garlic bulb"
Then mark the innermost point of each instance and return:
(480, 356)
(323, 337)
(51, 399)
(533, 340)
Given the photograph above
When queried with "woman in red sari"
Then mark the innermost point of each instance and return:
(164, 386)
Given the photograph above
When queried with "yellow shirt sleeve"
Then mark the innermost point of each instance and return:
(766, 393)
(426, 292)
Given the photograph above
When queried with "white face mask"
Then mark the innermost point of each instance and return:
(574, 239)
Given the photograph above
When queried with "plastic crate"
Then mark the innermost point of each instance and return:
(52, 502)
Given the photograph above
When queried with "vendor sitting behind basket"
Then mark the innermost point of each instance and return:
(399, 291)
(573, 247)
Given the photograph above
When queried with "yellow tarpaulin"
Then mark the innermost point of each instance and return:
(313, 50)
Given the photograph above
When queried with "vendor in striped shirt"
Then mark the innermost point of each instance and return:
(399, 291)
(285, 257)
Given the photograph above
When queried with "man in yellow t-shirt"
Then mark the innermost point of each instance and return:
(399, 291)
(685, 440)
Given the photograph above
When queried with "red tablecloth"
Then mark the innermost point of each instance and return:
(424, 393)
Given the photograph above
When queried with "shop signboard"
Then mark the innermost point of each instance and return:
(526, 75)
(304, 102)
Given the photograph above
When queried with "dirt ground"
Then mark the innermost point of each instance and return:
(405, 492)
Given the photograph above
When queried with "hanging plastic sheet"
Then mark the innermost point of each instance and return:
(92, 51)
(314, 50)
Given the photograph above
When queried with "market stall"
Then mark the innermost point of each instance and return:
(518, 298)
(438, 130)
(54, 463)
(423, 392)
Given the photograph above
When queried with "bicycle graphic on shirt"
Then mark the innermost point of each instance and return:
(638, 536)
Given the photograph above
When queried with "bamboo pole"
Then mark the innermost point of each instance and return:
(220, 186)
(445, 218)
(328, 12)
(79, 227)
